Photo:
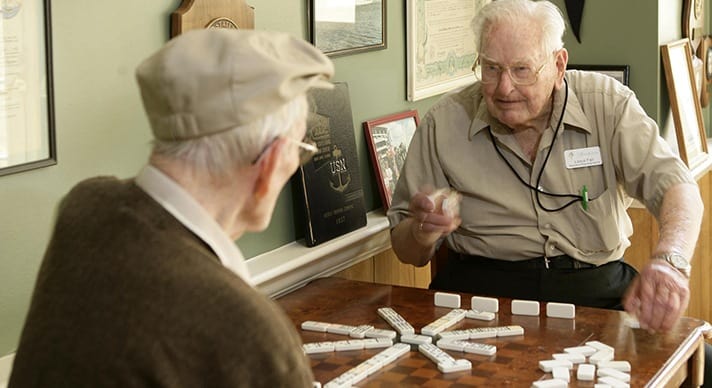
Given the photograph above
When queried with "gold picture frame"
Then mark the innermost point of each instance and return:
(685, 102)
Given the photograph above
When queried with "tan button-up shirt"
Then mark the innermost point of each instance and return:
(502, 218)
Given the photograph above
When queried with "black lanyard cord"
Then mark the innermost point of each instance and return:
(537, 191)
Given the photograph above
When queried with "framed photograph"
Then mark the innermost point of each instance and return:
(440, 45)
(27, 138)
(341, 27)
(388, 139)
(619, 72)
(684, 102)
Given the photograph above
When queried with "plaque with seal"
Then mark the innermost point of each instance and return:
(194, 14)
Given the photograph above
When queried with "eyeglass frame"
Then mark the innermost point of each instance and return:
(307, 148)
(509, 72)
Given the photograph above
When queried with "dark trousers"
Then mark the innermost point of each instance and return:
(558, 279)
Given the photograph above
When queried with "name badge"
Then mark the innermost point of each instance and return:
(583, 157)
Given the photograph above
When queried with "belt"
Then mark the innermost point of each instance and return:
(555, 262)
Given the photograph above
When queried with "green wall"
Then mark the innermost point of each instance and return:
(101, 129)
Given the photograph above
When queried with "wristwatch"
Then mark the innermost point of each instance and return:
(678, 261)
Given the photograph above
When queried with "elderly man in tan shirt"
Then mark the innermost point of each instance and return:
(545, 162)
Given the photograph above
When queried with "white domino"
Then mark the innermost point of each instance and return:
(396, 321)
(375, 343)
(416, 339)
(483, 332)
(550, 383)
(316, 384)
(478, 348)
(548, 365)
(458, 366)
(615, 383)
(525, 307)
(315, 326)
(446, 363)
(318, 347)
(481, 315)
(561, 373)
(586, 372)
(598, 345)
(508, 331)
(601, 356)
(601, 386)
(585, 350)
(380, 333)
(336, 328)
(444, 299)
(560, 310)
(575, 358)
(360, 331)
(368, 367)
(623, 366)
(442, 323)
(481, 303)
(341, 346)
(456, 335)
(616, 374)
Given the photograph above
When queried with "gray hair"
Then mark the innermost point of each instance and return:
(220, 153)
(544, 13)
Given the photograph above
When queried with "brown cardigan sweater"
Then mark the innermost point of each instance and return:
(128, 297)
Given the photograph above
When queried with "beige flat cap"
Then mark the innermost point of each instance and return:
(211, 80)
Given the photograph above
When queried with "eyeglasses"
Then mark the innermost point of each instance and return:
(489, 72)
(307, 149)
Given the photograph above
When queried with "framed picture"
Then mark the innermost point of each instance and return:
(27, 138)
(619, 72)
(340, 27)
(440, 45)
(388, 139)
(684, 102)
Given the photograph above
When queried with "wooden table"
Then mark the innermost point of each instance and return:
(671, 359)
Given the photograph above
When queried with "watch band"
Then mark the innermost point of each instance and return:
(677, 261)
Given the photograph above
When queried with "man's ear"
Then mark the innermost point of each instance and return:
(562, 59)
(267, 166)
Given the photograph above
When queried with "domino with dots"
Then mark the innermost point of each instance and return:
(368, 367)
(396, 321)
(442, 323)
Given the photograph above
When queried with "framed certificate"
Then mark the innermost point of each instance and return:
(440, 45)
(27, 137)
(684, 102)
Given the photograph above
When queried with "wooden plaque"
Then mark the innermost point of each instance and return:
(193, 14)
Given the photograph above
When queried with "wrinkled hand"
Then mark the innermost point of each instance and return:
(657, 297)
(435, 214)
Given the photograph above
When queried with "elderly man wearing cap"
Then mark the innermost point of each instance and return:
(142, 284)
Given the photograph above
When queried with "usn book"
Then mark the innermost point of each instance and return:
(330, 183)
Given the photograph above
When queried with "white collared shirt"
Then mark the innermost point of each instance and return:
(189, 212)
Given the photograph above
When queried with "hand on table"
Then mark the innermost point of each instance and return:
(658, 296)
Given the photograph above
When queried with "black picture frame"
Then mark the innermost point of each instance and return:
(336, 38)
(40, 150)
(619, 72)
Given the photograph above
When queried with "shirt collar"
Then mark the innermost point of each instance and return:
(191, 214)
(574, 117)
